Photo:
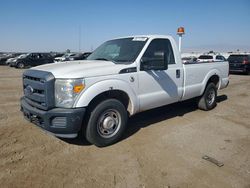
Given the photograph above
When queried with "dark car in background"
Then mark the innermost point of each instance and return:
(32, 60)
(239, 63)
(5, 57)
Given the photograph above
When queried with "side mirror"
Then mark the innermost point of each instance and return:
(157, 62)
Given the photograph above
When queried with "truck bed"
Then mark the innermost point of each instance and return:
(196, 75)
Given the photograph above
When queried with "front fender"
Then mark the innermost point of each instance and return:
(102, 86)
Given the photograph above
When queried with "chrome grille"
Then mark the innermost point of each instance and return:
(38, 88)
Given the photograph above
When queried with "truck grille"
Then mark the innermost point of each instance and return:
(38, 89)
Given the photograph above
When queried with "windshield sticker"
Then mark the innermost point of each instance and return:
(139, 39)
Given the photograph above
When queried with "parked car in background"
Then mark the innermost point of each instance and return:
(80, 56)
(65, 57)
(239, 63)
(10, 60)
(32, 60)
(13, 58)
(190, 59)
(55, 54)
(5, 57)
(210, 58)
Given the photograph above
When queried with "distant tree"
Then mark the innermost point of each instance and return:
(68, 51)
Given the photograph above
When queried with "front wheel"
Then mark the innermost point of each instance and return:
(20, 65)
(208, 99)
(107, 122)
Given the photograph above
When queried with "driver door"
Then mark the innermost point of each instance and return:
(159, 86)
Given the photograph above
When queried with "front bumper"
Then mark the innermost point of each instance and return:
(61, 122)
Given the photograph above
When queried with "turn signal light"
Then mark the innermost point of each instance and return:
(78, 88)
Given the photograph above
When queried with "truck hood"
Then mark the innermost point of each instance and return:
(84, 68)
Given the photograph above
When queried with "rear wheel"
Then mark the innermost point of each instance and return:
(208, 99)
(106, 123)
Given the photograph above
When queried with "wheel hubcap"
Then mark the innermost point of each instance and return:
(211, 97)
(109, 123)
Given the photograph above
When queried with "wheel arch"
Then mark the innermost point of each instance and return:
(212, 77)
(112, 94)
(100, 91)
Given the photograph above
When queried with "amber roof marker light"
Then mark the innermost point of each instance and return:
(180, 32)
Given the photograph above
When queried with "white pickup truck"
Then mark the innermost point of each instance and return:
(94, 98)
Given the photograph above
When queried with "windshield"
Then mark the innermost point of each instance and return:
(119, 50)
(237, 57)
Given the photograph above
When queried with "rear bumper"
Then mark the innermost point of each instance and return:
(60, 122)
(224, 83)
(241, 68)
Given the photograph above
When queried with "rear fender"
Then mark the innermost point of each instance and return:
(207, 77)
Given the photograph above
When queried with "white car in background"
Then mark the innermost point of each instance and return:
(211, 58)
(65, 57)
(10, 60)
(191, 59)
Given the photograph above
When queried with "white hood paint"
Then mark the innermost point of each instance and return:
(80, 69)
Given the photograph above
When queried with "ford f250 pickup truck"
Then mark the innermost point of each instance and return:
(93, 98)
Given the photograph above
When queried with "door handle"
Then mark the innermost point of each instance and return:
(178, 73)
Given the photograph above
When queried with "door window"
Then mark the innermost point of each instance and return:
(154, 49)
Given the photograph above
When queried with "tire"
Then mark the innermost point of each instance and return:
(208, 99)
(106, 123)
(20, 65)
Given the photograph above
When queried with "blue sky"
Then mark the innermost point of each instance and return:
(53, 25)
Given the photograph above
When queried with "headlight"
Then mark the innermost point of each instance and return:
(66, 91)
